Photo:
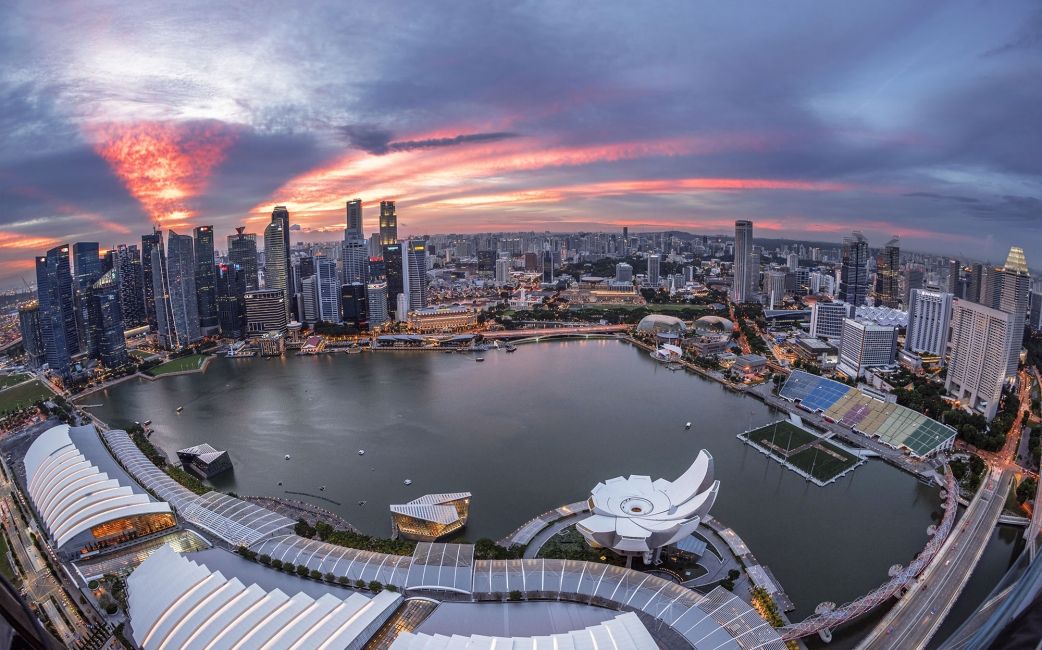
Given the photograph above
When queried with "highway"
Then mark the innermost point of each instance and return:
(915, 618)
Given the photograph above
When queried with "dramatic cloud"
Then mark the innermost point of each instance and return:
(894, 117)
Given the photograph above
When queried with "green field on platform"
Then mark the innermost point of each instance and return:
(183, 364)
(820, 458)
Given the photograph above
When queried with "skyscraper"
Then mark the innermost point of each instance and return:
(242, 251)
(548, 264)
(980, 346)
(774, 287)
(309, 312)
(888, 275)
(108, 344)
(87, 269)
(32, 336)
(127, 264)
(388, 224)
(276, 263)
(865, 345)
(265, 312)
(165, 333)
(206, 292)
(414, 274)
(826, 319)
(1014, 290)
(912, 279)
(743, 284)
(280, 215)
(393, 260)
(354, 227)
(654, 272)
(952, 279)
(148, 284)
(230, 288)
(376, 302)
(327, 284)
(929, 317)
(990, 286)
(502, 271)
(853, 279)
(355, 306)
(54, 292)
(184, 301)
(356, 260)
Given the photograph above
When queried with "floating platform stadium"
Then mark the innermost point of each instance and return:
(894, 425)
(814, 458)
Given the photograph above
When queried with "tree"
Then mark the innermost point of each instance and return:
(375, 586)
(360, 583)
(315, 574)
(515, 595)
(302, 570)
(1026, 490)
(330, 577)
(265, 559)
(343, 580)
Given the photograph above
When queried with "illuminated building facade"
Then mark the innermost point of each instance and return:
(431, 516)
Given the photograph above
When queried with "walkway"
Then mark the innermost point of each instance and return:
(524, 535)
(543, 536)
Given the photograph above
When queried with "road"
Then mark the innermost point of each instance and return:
(915, 618)
(556, 331)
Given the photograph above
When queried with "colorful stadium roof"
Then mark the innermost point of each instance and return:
(894, 425)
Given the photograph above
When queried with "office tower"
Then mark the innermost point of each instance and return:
(974, 288)
(826, 319)
(980, 345)
(1014, 287)
(165, 333)
(54, 292)
(774, 287)
(388, 224)
(376, 303)
(548, 265)
(265, 312)
(126, 262)
(743, 284)
(929, 316)
(230, 289)
(108, 344)
(865, 345)
(327, 286)
(990, 286)
(654, 270)
(353, 229)
(792, 260)
(913, 279)
(276, 262)
(375, 247)
(86, 270)
(206, 292)
(502, 271)
(108, 260)
(356, 260)
(1035, 312)
(183, 298)
(853, 279)
(309, 312)
(624, 247)
(393, 273)
(280, 215)
(623, 272)
(888, 275)
(414, 274)
(148, 244)
(242, 252)
(29, 324)
(486, 261)
(952, 278)
(355, 306)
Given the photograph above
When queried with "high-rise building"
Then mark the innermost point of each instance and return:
(355, 260)
(654, 270)
(388, 224)
(974, 288)
(354, 226)
(242, 252)
(414, 274)
(86, 270)
(853, 279)
(774, 288)
(108, 344)
(953, 276)
(29, 324)
(393, 260)
(929, 317)
(913, 279)
(54, 292)
(265, 312)
(355, 305)
(826, 319)
(230, 289)
(792, 260)
(865, 345)
(327, 286)
(743, 284)
(280, 215)
(127, 264)
(309, 312)
(548, 265)
(990, 286)
(503, 271)
(980, 345)
(1014, 287)
(888, 275)
(165, 332)
(376, 302)
(206, 291)
(148, 283)
(276, 262)
(183, 298)
(1035, 312)
(623, 272)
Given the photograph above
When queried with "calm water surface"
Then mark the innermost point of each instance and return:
(526, 432)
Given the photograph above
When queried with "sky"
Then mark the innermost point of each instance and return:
(916, 119)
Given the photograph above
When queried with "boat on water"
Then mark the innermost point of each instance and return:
(146, 423)
(408, 481)
(180, 408)
(479, 359)
(361, 452)
(511, 348)
(355, 350)
(287, 456)
(687, 426)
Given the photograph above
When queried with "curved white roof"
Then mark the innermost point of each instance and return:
(625, 631)
(71, 493)
(176, 604)
(661, 323)
(637, 515)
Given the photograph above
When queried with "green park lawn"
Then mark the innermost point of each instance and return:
(23, 395)
(182, 364)
(6, 381)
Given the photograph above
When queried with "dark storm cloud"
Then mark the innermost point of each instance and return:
(379, 141)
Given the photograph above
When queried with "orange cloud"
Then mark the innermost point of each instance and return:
(12, 241)
(163, 165)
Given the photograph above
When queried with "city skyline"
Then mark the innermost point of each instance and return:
(574, 125)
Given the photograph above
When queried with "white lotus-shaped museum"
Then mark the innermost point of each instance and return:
(637, 516)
